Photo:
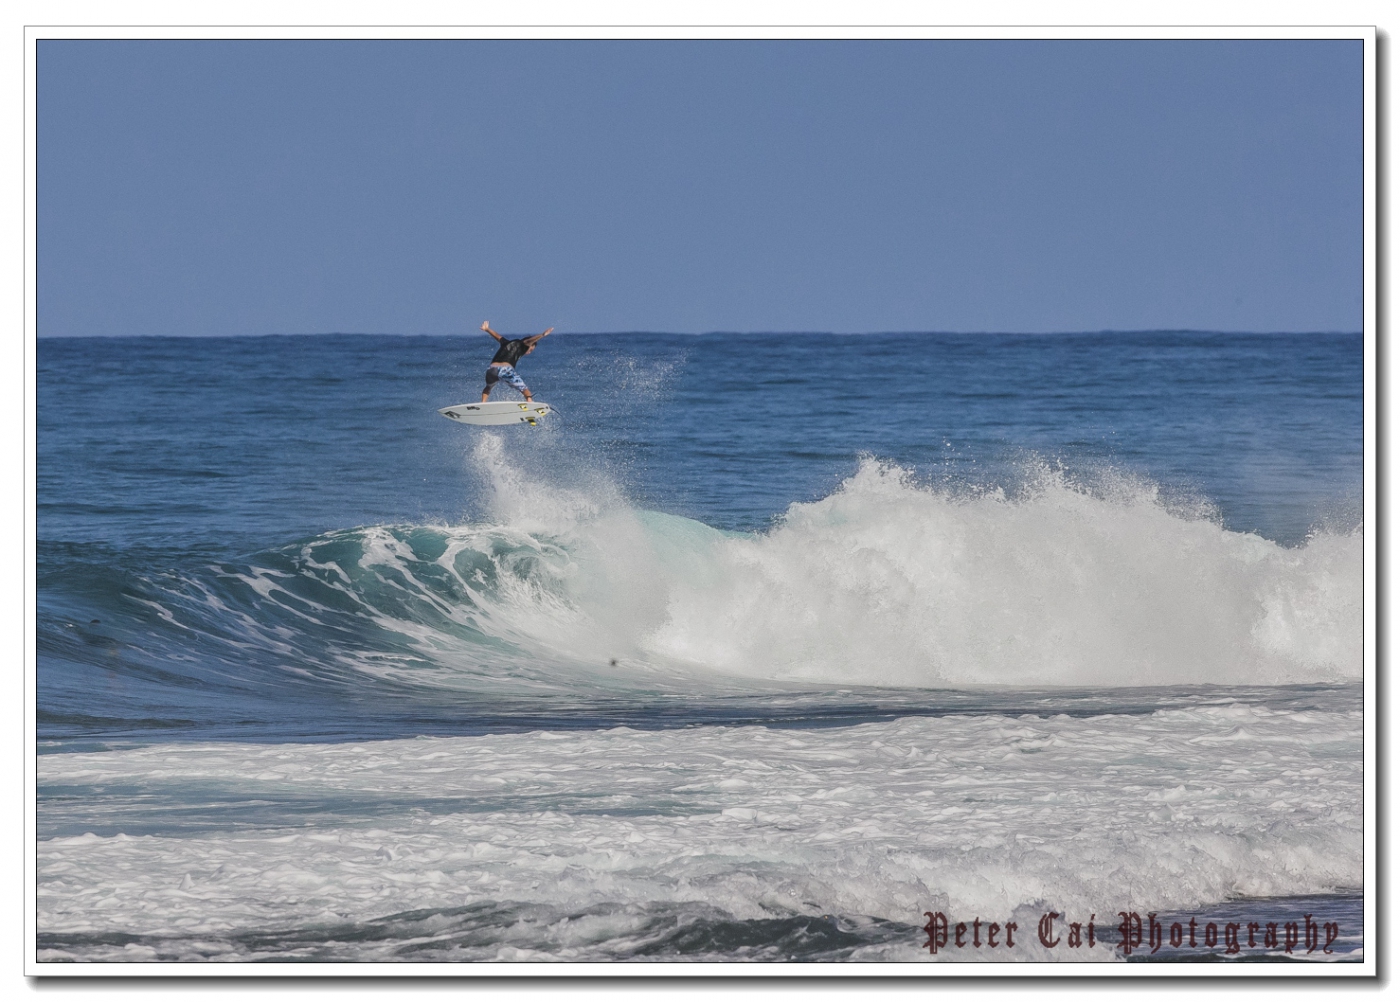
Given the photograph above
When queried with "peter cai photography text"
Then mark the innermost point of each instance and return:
(1134, 933)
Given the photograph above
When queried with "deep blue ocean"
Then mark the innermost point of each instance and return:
(762, 590)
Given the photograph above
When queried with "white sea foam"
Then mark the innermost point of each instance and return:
(892, 583)
(888, 582)
(977, 816)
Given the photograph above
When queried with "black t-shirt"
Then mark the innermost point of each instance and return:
(510, 351)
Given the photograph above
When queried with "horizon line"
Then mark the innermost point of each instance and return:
(756, 333)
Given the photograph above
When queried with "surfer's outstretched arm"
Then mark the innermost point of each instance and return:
(486, 326)
(531, 341)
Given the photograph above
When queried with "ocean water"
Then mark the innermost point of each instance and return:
(762, 648)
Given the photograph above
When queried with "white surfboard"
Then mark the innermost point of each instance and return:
(498, 412)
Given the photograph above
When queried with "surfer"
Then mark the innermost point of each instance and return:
(503, 365)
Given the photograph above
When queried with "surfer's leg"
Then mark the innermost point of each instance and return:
(508, 373)
(492, 374)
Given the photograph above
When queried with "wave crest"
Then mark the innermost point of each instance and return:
(885, 582)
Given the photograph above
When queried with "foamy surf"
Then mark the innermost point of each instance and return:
(627, 844)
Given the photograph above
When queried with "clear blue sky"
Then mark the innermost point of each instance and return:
(422, 187)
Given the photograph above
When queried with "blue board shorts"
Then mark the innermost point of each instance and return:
(507, 373)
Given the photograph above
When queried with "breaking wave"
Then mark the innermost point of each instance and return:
(887, 581)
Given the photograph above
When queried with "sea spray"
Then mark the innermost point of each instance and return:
(888, 582)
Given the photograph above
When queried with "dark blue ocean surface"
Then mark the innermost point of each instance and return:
(237, 443)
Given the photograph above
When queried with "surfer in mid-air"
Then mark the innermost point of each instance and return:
(502, 368)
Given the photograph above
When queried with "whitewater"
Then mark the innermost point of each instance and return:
(580, 718)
